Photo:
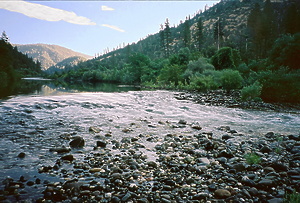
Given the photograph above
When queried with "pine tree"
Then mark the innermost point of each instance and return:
(4, 37)
(199, 34)
(187, 33)
(168, 40)
(218, 32)
(162, 39)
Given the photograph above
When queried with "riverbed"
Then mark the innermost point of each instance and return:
(35, 123)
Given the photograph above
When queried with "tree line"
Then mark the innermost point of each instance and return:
(260, 57)
(14, 64)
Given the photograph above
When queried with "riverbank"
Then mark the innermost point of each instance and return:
(232, 99)
(195, 167)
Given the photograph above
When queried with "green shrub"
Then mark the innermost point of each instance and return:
(251, 92)
(231, 79)
(198, 66)
(292, 198)
(203, 82)
(252, 158)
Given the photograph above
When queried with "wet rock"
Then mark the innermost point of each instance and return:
(226, 154)
(60, 150)
(280, 166)
(196, 126)
(77, 142)
(276, 200)
(22, 155)
(222, 194)
(183, 122)
(69, 157)
(226, 137)
(94, 129)
(203, 161)
(101, 143)
(270, 135)
(200, 196)
(253, 191)
(95, 170)
(294, 137)
(126, 197)
(265, 149)
(265, 183)
(239, 167)
(152, 164)
(30, 183)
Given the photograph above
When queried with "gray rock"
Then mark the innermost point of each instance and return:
(203, 161)
(265, 183)
(275, 200)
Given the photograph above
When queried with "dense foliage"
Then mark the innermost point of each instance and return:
(257, 50)
(14, 64)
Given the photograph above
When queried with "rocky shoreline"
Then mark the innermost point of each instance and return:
(232, 99)
(194, 167)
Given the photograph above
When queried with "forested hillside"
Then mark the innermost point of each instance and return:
(250, 45)
(49, 55)
(14, 64)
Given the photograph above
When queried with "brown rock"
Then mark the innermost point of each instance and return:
(222, 193)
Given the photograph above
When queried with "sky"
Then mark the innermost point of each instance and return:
(89, 27)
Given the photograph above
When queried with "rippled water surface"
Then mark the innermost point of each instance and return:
(35, 123)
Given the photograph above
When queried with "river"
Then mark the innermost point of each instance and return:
(46, 117)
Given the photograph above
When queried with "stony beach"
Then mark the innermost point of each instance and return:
(197, 167)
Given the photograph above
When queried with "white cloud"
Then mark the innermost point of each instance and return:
(106, 8)
(113, 27)
(42, 12)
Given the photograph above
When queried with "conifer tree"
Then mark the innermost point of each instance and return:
(199, 34)
(218, 32)
(162, 39)
(168, 40)
(4, 37)
(187, 33)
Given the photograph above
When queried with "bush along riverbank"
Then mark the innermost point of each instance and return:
(233, 99)
(185, 167)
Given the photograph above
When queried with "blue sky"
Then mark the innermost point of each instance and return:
(90, 27)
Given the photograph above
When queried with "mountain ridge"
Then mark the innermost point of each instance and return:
(49, 54)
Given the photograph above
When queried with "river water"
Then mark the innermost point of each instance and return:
(36, 121)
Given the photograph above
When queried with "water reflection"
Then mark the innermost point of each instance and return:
(42, 87)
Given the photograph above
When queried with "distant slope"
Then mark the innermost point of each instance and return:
(49, 55)
(65, 64)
